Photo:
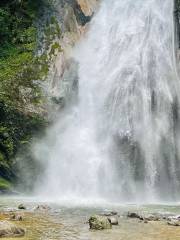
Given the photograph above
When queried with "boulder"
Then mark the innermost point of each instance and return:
(8, 229)
(134, 215)
(151, 218)
(16, 217)
(42, 208)
(175, 223)
(19, 217)
(177, 217)
(97, 222)
(110, 214)
(113, 220)
(21, 207)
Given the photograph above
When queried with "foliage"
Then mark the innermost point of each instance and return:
(20, 71)
(4, 184)
(19, 67)
(16, 130)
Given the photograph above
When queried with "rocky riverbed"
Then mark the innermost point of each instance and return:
(52, 221)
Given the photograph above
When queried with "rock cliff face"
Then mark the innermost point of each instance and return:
(88, 6)
(72, 18)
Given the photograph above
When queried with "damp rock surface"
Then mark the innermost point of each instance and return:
(175, 223)
(113, 220)
(21, 206)
(134, 215)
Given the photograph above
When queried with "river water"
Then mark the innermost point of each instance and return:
(69, 222)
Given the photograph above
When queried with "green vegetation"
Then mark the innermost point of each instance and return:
(20, 72)
(19, 67)
(16, 131)
(5, 185)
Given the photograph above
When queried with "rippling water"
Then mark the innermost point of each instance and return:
(69, 222)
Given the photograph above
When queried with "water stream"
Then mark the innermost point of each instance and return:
(69, 221)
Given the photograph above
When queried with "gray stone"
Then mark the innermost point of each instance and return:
(21, 207)
(151, 218)
(134, 215)
(113, 220)
(175, 223)
(16, 217)
(110, 214)
(177, 217)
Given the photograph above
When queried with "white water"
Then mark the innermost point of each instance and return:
(120, 141)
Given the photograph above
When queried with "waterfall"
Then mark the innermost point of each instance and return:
(119, 139)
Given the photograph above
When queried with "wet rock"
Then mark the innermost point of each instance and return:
(151, 218)
(87, 7)
(19, 218)
(97, 222)
(113, 220)
(164, 216)
(175, 223)
(59, 101)
(146, 218)
(42, 208)
(21, 207)
(10, 230)
(134, 215)
(110, 214)
(12, 216)
(174, 218)
(16, 217)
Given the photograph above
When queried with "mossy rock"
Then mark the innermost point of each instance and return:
(97, 222)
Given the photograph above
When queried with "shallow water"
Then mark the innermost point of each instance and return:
(69, 222)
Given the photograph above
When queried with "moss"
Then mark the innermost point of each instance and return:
(19, 66)
(55, 47)
(58, 30)
(53, 20)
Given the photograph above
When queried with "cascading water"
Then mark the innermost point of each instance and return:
(120, 140)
